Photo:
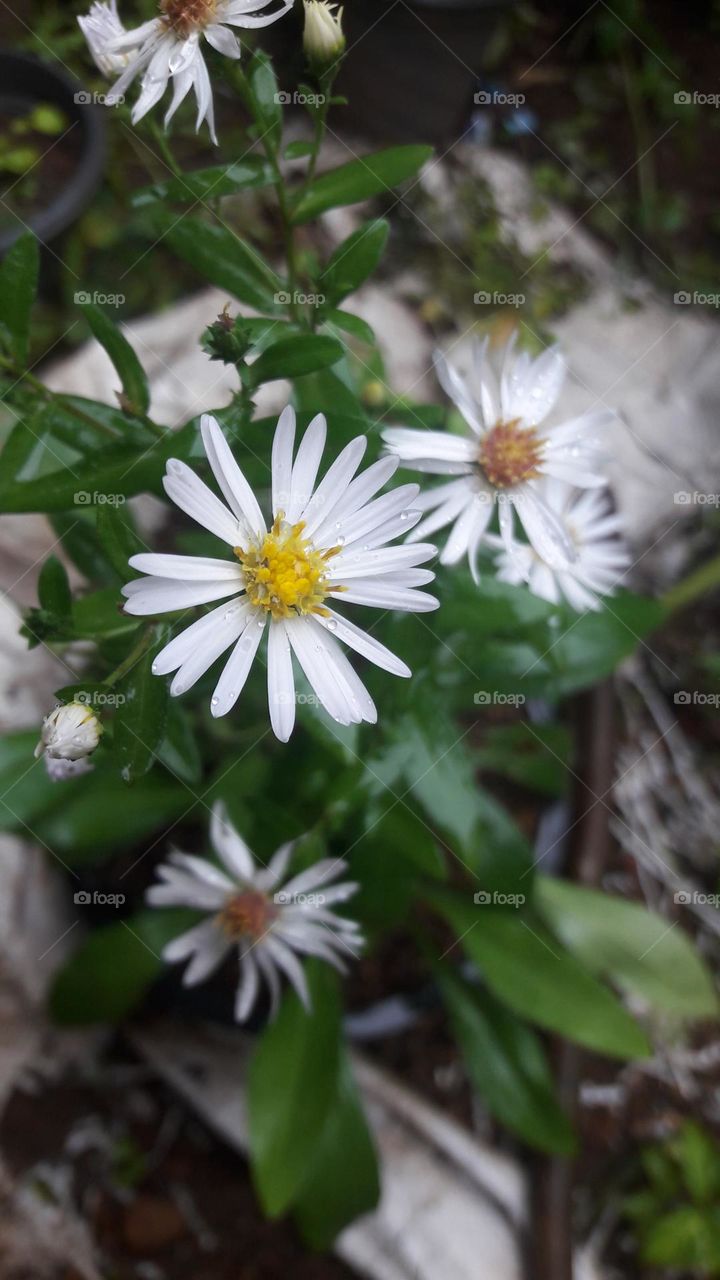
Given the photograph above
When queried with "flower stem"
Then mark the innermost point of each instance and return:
(136, 653)
(691, 588)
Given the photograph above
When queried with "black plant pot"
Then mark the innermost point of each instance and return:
(24, 83)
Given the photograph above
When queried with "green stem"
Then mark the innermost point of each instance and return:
(165, 149)
(691, 588)
(139, 648)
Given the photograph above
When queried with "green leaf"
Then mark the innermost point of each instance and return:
(112, 969)
(354, 325)
(222, 258)
(687, 1238)
(179, 750)
(506, 1065)
(535, 756)
(354, 260)
(126, 364)
(265, 96)
(96, 817)
(293, 357)
(54, 591)
(529, 970)
(99, 615)
(342, 1180)
(293, 1075)
(699, 1160)
(368, 176)
(206, 184)
(642, 952)
(18, 286)
(25, 788)
(140, 719)
(117, 537)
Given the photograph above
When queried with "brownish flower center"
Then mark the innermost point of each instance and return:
(186, 16)
(247, 915)
(510, 454)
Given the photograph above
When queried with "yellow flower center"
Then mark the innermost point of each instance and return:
(247, 915)
(510, 454)
(284, 574)
(186, 16)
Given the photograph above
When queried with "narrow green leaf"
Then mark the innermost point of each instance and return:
(506, 1065)
(96, 818)
(530, 971)
(293, 357)
(179, 750)
(140, 720)
(265, 96)
(222, 258)
(354, 260)
(54, 591)
(207, 184)
(642, 952)
(293, 1077)
(127, 366)
(18, 286)
(351, 324)
(117, 537)
(359, 179)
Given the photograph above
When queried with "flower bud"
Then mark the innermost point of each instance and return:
(70, 732)
(323, 39)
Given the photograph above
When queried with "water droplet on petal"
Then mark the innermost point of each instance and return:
(214, 702)
(341, 541)
(404, 515)
(332, 625)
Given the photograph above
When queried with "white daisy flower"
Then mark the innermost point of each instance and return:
(601, 556)
(168, 48)
(69, 734)
(100, 27)
(271, 924)
(325, 541)
(501, 459)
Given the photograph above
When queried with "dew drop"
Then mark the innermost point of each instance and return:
(332, 625)
(404, 515)
(341, 541)
(155, 668)
(214, 702)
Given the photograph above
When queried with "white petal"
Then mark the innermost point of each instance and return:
(225, 631)
(193, 497)
(222, 40)
(384, 594)
(546, 532)
(362, 642)
(281, 685)
(272, 874)
(198, 635)
(230, 846)
(334, 484)
(286, 960)
(304, 472)
(366, 564)
(317, 671)
(320, 873)
(207, 958)
(231, 481)
(248, 986)
(232, 681)
(441, 445)
(165, 595)
(353, 527)
(282, 460)
(187, 568)
(461, 492)
(197, 938)
(361, 489)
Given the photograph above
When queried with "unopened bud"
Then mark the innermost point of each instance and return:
(323, 39)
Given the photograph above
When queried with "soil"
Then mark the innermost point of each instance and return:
(163, 1198)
